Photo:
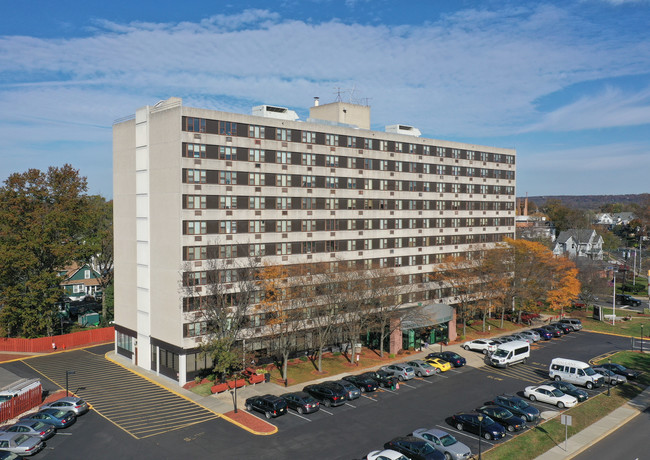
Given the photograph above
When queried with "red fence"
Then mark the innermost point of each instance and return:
(21, 403)
(76, 339)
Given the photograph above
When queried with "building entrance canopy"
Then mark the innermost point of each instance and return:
(429, 315)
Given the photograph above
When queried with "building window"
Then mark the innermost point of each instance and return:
(309, 137)
(440, 151)
(195, 329)
(352, 204)
(455, 170)
(331, 203)
(308, 181)
(256, 202)
(308, 225)
(331, 224)
(195, 176)
(195, 125)
(471, 155)
(471, 172)
(227, 128)
(227, 202)
(440, 169)
(383, 146)
(282, 180)
(256, 155)
(228, 251)
(199, 227)
(399, 166)
(426, 149)
(307, 247)
(398, 147)
(196, 278)
(308, 159)
(227, 226)
(332, 161)
(352, 183)
(283, 157)
(308, 203)
(352, 141)
(367, 144)
(331, 182)
(283, 226)
(196, 252)
(383, 165)
(283, 248)
(257, 226)
(256, 179)
(195, 150)
(227, 177)
(367, 163)
(331, 139)
(256, 131)
(331, 246)
(257, 250)
(367, 184)
(282, 203)
(195, 202)
(281, 134)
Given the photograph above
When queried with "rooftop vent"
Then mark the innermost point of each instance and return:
(271, 111)
(403, 129)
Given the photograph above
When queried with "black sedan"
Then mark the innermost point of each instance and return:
(469, 421)
(503, 416)
(455, 359)
(383, 378)
(621, 370)
(517, 406)
(565, 328)
(569, 389)
(414, 448)
(301, 402)
(363, 383)
(553, 330)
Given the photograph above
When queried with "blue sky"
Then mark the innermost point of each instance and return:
(566, 83)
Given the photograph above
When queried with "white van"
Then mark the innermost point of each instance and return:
(510, 353)
(576, 372)
(18, 388)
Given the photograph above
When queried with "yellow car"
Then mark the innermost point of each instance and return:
(439, 364)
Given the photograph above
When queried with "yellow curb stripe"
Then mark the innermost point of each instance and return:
(609, 333)
(250, 430)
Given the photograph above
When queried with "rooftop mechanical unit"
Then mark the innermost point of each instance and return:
(270, 111)
(403, 129)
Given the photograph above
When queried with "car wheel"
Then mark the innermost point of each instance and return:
(249, 407)
(557, 378)
(560, 405)
(487, 436)
(525, 360)
(419, 374)
(589, 385)
(267, 414)
(447, 456)
(327, 403)
(613, 382)
(459, 426)
(437, 371)
(300, 410)
(400, 378)
(485, 352)
(532, 397)
(362, 389)
(510, 428)
(466, 347)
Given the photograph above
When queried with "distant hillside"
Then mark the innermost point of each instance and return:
(593, 202)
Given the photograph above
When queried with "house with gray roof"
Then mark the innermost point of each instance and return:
(579, 243)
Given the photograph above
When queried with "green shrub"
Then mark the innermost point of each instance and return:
(336, 353)
(197, 379)
(211, 377)
(304, 359)
(391, 355)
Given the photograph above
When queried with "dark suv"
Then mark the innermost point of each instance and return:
(327, 393)
(624, 299)
(455, 359)
(383, 378)
(517, 406)
(269, 405)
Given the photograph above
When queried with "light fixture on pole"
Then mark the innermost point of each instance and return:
(67, 373)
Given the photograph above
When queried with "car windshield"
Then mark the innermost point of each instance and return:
(500, 353)
(408, 369)
(618, 366)
(590, 371)
(448, 440)
(21, 439)
(569, 387)
(503, 413)
(426, 448)
(453, 356)
(39, 425)
(59, 413)
(520, 403)
(486, 421)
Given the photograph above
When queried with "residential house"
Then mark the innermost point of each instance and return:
(80, 282)
(579, 243)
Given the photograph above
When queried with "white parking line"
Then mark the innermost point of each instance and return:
(445, 428)
(442, 376)
(368, 397)
(407, 385)
(425, 380)
(389, 390)
(323, 410)
(298, 415)
(348, 404)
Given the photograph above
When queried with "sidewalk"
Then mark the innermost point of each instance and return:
(600, 429)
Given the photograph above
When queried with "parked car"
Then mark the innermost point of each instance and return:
(624, 299)
(503, 416)
(570, 389)
(41, 430)
(550, 395)
(611, 377)
(517, 406)
(564, 327)
(58, 418)
(469, 421)
(400, 370)
(327, 395)
(621, 370)
(363, 382)
(576, 324)
(443, 442)
(543, 333)
(506, 338)
(383, 378)
(533, 335)
(71, 403)
(414, 448)
(6, 455)
(481, 345)
(20, 443)
(425, 369)
(556, 332)
(386, 454)
(270, 405)
(455, 359)
(523, 337)
(440, 365)
(301, 402)
(351, 390)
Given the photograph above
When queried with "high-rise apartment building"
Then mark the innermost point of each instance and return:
(193, 185)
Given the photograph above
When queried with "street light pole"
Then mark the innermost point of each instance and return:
(609, 378)
(614, 299)
(641, 337)
(480, 425)
(67, 373)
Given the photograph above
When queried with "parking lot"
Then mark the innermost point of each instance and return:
(349, 431)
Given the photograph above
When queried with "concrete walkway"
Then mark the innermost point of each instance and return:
(600, 429)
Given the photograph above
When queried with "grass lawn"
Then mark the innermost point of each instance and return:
(202, 389)
(547, 435)
(631, 328)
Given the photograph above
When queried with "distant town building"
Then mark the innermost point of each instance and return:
(579, 243)
(532, 227)
(79, 282)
